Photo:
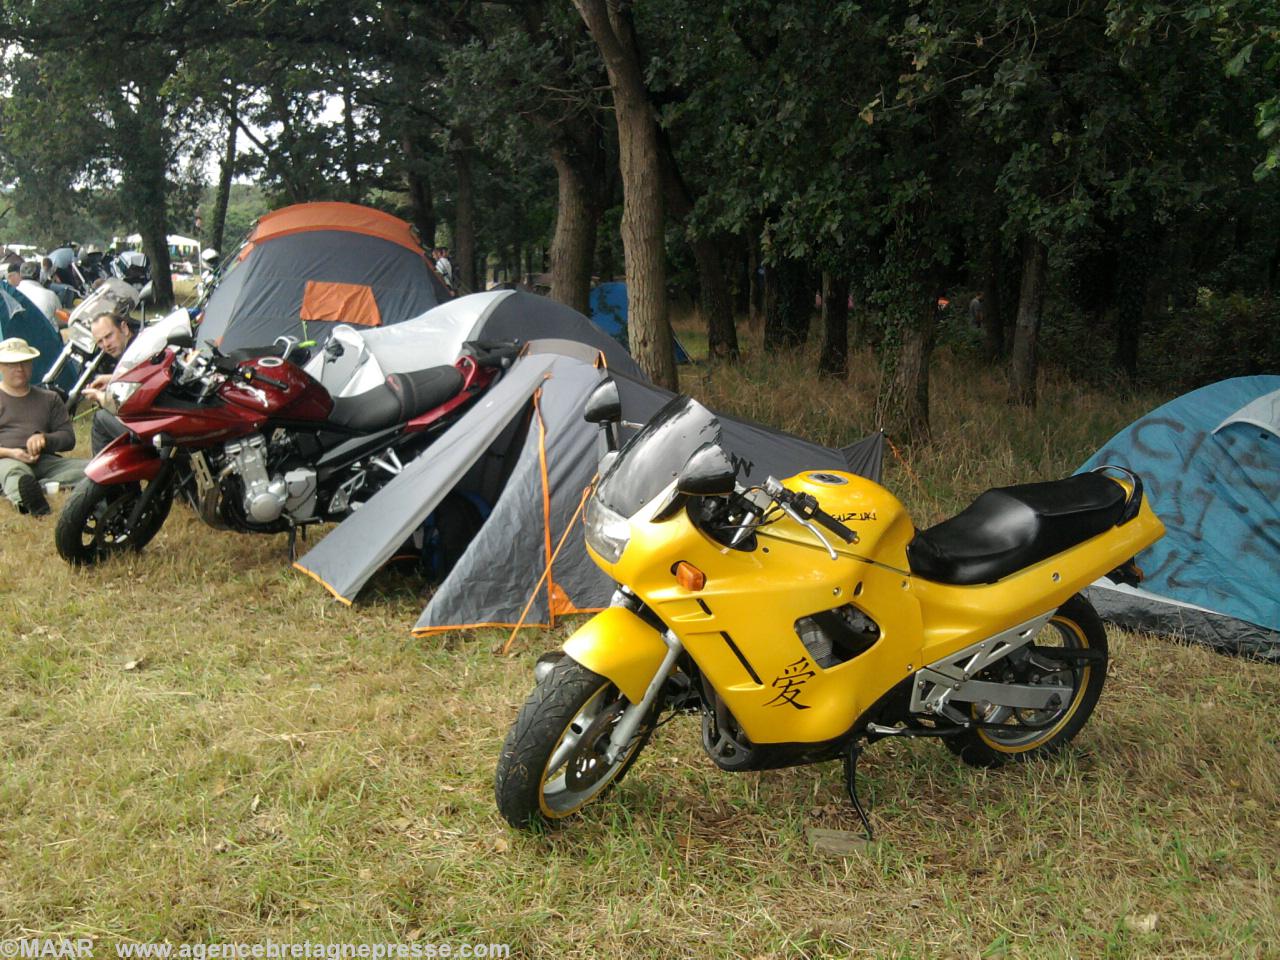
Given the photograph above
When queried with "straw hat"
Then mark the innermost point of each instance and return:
(16, 350)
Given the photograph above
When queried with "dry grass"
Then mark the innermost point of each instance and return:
(280, 766)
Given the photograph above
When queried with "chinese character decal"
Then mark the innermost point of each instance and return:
(790, 682)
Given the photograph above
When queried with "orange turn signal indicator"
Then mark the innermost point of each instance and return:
(689, 576)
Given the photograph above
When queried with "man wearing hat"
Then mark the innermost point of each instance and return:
(34, 427)
(46, 300)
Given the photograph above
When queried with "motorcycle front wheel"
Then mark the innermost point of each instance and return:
(553, 761)
(1013, 734)
(94, 524)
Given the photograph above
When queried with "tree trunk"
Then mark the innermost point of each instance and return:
(907, 396)
(993, 346)
(787, 312)
(421, 204)
(144, 178)
(740, 287)
(713, 289)
(755, 284)
(714, 302)
(350, 159)
(222, 199)
(464, 223)
(649, 328)
(833, 361)
(1022, 375)
(574, 242)
(1136, 295)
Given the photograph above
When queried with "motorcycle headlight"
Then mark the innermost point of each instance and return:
(82, 338)
(117, 395)
(607, 533)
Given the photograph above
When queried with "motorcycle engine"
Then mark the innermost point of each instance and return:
(265, 496)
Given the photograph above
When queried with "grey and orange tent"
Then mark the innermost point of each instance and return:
(307, 267)
(525, 450)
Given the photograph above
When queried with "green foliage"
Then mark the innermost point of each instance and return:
(248, 202)
(1218, 337)
(893, 145)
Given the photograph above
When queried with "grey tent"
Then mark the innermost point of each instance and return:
(526, 450)
(437, 337)
(307, 267)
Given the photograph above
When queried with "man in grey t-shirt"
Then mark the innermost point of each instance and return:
(34, 428)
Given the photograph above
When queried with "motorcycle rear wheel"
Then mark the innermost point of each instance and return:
(1024, 734)
(566, 720)
(94, 524)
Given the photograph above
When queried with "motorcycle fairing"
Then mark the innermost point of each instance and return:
(758, 594)
(125, 459)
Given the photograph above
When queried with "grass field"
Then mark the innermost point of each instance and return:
(197, 744)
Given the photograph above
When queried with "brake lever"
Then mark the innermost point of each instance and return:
(810, 526)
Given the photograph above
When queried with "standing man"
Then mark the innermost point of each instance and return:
(444, 266)
(113, 335)
(34, 427)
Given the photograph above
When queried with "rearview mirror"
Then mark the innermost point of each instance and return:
(604, 405)
(707, 473)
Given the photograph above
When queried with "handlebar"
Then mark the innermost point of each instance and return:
(805, 508)
(250, 375)
(835, 526)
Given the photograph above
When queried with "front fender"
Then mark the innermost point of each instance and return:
(124, 460)
(617, 644)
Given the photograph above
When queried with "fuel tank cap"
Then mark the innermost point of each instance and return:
(830, 479)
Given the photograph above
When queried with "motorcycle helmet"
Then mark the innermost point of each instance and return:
(209, 257)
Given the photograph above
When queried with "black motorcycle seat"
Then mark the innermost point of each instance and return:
(1009, 528)
(402, 397)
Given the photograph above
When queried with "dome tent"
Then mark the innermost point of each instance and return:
(1210, 463)
(525, 450)
(19, 317)
(437, 337)
(307, 267)
(608, 302)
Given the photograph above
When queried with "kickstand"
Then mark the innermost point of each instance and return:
(293, 544)
(851, 784)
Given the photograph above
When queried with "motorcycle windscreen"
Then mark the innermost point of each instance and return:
(651, 459)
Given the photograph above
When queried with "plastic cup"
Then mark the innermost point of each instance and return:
(51, 487)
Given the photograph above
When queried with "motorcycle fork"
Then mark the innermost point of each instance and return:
(90, 368)
(635, 713)
(159, 483)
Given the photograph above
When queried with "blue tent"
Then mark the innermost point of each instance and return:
(19, 317)
(609, 313)
(1210, 463)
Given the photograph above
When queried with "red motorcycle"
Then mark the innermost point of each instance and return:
(255, 443)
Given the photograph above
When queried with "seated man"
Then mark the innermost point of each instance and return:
(112, 334)
(34, 426)
(46, 300)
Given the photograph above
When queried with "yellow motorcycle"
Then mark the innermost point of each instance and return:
(809, 617)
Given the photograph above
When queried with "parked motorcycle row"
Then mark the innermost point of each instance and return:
(801, 619)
